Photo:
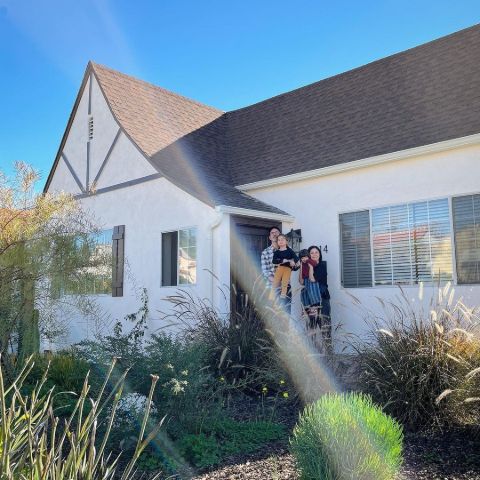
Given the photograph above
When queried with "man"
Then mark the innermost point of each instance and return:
(268, 269)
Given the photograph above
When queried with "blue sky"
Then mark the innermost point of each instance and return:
(227, 54)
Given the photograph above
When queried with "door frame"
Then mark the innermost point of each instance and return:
(254, 222)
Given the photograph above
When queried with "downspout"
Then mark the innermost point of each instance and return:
(212, 227)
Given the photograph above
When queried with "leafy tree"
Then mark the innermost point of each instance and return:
(44, 239)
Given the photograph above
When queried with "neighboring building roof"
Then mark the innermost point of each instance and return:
(418, 97)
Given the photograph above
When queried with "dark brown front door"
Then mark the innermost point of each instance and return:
(249, 237)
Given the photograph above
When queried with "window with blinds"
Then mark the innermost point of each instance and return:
(412, 243)
(355, 249)
(466, 227)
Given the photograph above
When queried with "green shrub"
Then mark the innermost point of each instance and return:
(126, 346)
(346, 437)
(411, 357)
(238, 346)
(221, 438)
(188, 392)
(63, 371)
(201, 450)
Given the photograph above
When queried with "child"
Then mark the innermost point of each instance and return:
(310, 294)
(286, 259)
(307, 267)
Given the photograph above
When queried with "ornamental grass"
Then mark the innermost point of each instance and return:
(346, 437)
(417, 363)
(36, 445)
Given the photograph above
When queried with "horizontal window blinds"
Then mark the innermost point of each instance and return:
(466, 227)
(355, 249)
(412, 243)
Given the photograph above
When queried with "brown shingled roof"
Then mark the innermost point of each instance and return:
(152, 116)
(424, 95)
(182, 138)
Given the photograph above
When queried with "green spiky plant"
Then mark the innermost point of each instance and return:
(346, 437)
(34, 445)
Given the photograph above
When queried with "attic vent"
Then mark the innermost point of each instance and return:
(90, 128)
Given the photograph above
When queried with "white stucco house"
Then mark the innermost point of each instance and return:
(379, 165)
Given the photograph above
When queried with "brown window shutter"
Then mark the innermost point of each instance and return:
(118, 251)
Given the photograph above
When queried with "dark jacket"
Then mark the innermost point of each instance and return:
(320, 273)
(280, 255)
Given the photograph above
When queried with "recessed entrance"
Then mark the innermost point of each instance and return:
(249, 236)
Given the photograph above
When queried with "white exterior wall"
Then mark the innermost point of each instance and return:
(146, 209)
(317, 203)
(125, 162)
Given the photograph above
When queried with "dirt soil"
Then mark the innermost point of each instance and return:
(452, 456)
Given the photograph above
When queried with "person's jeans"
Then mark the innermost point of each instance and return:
(326, 307)
(286, 301)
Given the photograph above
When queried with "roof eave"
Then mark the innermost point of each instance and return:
(248, 212)
(86, 76)
(364, 162)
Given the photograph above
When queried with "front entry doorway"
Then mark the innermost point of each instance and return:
(249, 237)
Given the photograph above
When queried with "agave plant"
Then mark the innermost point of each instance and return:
(35, 445)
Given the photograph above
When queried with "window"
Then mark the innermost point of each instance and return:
(412, 243)
(355, 249)
(179, 257)
(466, 227)
(96, 278)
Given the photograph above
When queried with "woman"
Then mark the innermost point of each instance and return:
(320, 276)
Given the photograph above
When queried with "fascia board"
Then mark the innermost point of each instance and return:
(247, 212)
(365, 162)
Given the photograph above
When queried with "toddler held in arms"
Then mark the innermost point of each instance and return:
(307, 266)
(286, 259)
(310, 293)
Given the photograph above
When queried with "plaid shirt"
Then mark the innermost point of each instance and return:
(268, 268)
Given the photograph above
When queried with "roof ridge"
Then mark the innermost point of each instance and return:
(361, 67)
(97, 66)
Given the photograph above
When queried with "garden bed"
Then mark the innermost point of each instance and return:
(451, 455)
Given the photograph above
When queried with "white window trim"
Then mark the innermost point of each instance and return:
(178, 230)
(449, 198)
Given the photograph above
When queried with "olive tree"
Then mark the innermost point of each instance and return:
(44, 239)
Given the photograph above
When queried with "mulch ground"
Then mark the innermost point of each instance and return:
(453, 455)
